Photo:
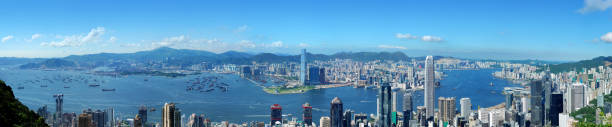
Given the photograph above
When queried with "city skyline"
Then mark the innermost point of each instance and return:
(577, 29)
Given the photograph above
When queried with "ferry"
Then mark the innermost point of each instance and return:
(113, 89)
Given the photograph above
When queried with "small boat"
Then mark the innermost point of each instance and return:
(113, 89)
(43, 85)
(152, 110)
(21, 87)
(94, 85)
(66, 86)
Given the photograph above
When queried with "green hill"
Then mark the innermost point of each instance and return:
(596, 62)
(15, 114)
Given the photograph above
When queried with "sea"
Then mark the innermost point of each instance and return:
(242, 102)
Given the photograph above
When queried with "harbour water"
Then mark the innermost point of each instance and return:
(242, 102)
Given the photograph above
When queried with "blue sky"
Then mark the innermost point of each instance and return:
(482, 29)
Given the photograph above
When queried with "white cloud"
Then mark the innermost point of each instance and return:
(170, 41)
(429, 38)
(9, 37)
(241, 29)
(607, 37)
(34, 37)
(595, 5)
(112, 39)
(405, 36)
(276, 44)
(77, 40)
(391, 47)
(247, 44)
(303, 45)
(426, 38)
(130, 45)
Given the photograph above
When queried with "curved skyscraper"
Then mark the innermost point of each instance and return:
(336, 113)
(429, 87)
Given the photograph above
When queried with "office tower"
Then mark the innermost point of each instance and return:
(347, 118)
(138, 121)
(537, 104)
(577, 97)
(446, 108)
(307, 116)
(384, 95)
(322, 79)
(509, 98)
(59, 101)
(325, 122)
(525, 101)
(98, 118)
(195, 120)
(407, 109)
(547, 85)
(142, 112)
(69, 119)
(393, 101)
(303, 67)
(313, 76)
(276, 114)
(556, 107)
(429, 87)
(336, 113)
(361, 119)
(111, 117)
(421, 117)
(466, 107)
(85, 120)
(171, 116)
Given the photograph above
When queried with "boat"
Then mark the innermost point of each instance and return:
(152, 110)
(113, 89)
(43, 85)
(491, 84)
(21, 87)
(66, 86)
(94, 85)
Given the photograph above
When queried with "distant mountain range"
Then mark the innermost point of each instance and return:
(186, 57)
(578, 66)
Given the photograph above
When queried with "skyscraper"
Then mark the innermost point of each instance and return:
(556, 107)
(313, 76)
(307, 116)
(347, 118)
(537, 104)
(85, 120)
(59, 101)
(171, 116)
(142, 112)
(509, 98)
(446, 108)
(276, 114)
(336, 113)
(407, 109)
(429, 87)
(138, 121)
(303, 67)
(466, 107)
(384, 96)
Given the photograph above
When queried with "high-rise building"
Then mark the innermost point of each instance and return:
(556, 107)
(407, 109)
(446, 108)
(59, 102)
(466, 107)
(384, 95)
(325, 122)
(171, 116)
(99, 118)
(85, 120)
(393, 101)
(577, 98)
(322, 79)
(313, 76)
(195, 120)
(276, 114)
(138, 121)
(142, 112)
(429, 87)
(509, 99)
(303, 67)
(537, 104)
(307, 116)
(336, 113)
(347, 118)
(421, 118)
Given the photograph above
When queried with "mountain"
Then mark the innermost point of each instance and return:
(578, 66)
(184, 57)
(13, 113)
(16, 60)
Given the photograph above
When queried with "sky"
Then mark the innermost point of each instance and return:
(559, 30)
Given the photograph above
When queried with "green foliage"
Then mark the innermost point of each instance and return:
(13, 113)
(596, 62)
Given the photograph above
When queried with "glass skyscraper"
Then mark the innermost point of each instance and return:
(429, 87)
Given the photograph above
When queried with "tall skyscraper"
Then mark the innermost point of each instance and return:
(446, 108)
(509, 98)
(407, 109)
(303, 67)
(429, 87)
(347, 118)
(466, 107)
(336, 113)
(142, 112)
(556, 107)
(384, 95)
(313, 76)
(325, 122)
(307, 116)
(276, 114)
(138, 121)
(393, 101)
(537, 104)
(59, 102)
(171, 116)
